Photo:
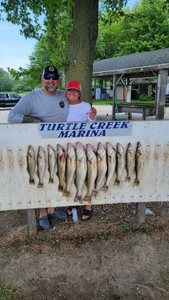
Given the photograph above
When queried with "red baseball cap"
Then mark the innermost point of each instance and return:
(74, 85)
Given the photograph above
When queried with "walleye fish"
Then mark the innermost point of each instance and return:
(139, 162)
(120, 162)
(31, 164)
(101, 167)
(51, 162)
(41, 165)
(91, 171)
(71, 167)
(129, 161)
(111, 163)
(61, 166)
(81, 170)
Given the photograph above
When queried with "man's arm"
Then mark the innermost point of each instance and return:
(21, 112)
(21, 109)
(28, 119)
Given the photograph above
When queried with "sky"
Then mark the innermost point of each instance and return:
(15, 49)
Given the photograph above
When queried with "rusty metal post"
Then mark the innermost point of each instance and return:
(140, 212)
(32, 222)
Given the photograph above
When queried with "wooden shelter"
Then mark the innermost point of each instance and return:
(129, 68)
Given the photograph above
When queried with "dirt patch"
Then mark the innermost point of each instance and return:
(109, 257)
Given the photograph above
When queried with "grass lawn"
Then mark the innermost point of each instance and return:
(107, 102)
(22, 94)
(7, 291)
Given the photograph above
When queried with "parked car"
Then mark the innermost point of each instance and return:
(8, 99)
(167, 98)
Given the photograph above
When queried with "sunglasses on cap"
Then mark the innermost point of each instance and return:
(48, 77)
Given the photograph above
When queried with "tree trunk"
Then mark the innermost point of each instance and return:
(81, 45)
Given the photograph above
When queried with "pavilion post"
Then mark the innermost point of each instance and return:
(114, 97)
(161, 93)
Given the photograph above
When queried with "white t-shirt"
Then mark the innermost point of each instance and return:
(77, 112)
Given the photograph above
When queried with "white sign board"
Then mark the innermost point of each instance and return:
(17, 193)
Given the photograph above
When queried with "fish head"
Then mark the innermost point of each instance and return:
(70, 150)
(90, 151)
(120, 149)
(60, 150)
(139, 148)
(80, 150)
(31, 151)
(51, 150)
(41, 152)
(101, 150)
(110, 149)
(129, 147)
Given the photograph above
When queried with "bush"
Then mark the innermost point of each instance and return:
(144, 97)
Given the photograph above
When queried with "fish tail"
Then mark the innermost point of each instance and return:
(128, 178)
(117, 181)
(78, 198)
(50, 180)
(67, 193)
(96, 193)
(40, 185)
(106, 188)
(60, 188)
(136, 182)
(31, 181)
(87, 198)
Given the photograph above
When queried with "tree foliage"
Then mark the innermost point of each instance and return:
(148, 28)
(6, 82)
(143, 28)
(71, 27)
(27, 12)
(58, 23)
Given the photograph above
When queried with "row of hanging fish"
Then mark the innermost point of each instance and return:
(95, 168)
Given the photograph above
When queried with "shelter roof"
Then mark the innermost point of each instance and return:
(146, 64)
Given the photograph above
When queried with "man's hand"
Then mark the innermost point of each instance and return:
(28, 119)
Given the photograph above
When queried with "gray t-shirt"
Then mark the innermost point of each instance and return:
(38, 104)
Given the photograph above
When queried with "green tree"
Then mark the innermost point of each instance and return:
(71, 27)
(6, 82)
(26, 84)
(143, 28)
(110, 36)
(147, 29)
